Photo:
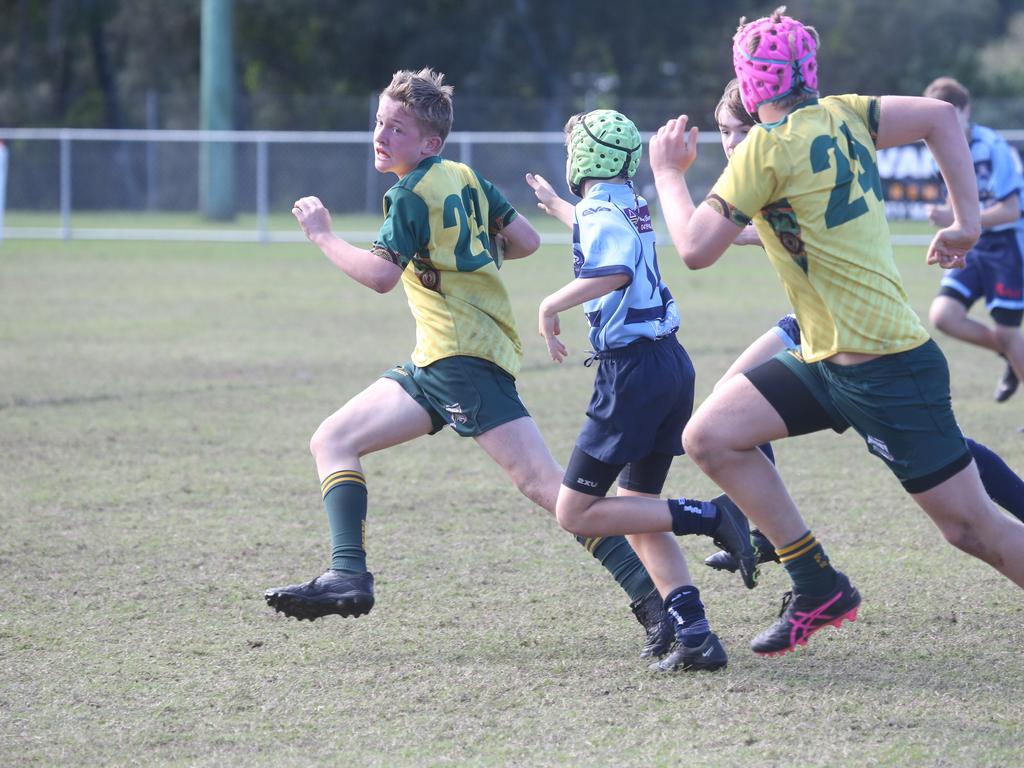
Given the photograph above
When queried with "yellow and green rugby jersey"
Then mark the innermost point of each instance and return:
(437, 220)
(810, 183)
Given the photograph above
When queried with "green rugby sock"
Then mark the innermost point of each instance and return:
(345, 495)
(808, 566)
(615, 554)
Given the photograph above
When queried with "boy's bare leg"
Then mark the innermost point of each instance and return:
(764, 347)
(722, 439)
(380, 416)
(664, 560)
(952, 318)
(970, 521)
(1011, 344)
(519, 449)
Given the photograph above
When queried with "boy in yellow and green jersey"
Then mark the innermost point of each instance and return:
(807, 178)
(445, 234)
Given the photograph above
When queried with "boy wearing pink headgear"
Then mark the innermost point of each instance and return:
(807, 178)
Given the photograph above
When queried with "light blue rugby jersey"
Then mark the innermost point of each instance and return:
(612, 234)
(998, 169)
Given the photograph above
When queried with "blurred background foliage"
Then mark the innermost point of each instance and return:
(516, 65)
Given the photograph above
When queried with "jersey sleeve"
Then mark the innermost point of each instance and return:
(406, 228)
(750, 180)
(500, 212)
(1006, 178)
(608, 243)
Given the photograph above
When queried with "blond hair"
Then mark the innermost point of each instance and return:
(950, 90)
(425, 95)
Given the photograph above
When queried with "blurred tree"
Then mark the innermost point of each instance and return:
(1002, 62)
(521, 64)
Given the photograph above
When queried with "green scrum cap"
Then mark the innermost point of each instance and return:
(604, 144)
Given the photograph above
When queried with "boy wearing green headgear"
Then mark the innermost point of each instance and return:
(643, 389)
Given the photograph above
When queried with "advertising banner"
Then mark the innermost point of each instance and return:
(911, 181)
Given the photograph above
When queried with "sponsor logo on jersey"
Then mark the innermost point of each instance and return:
(577, 260)
(595, 209)
(641, 219)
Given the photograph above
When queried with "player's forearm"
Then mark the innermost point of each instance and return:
(361, 265)
(562, 210)
(1006, 211)
(676, 207)
(948, 146)
(581, 290)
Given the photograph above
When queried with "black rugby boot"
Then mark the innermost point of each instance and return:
(338, 592)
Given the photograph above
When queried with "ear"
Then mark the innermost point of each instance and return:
(432, 145)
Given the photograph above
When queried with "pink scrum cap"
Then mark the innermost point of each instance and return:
(774, 57)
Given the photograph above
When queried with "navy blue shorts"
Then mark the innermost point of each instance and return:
(995, 270)
(643, 397)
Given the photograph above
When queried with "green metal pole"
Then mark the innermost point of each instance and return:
(216, 110)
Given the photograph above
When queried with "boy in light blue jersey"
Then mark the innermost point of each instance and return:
(995, 265)
(643, 389)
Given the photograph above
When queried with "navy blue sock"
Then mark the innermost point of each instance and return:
(1001, 483)
(766, 449)
(687, 612)
(693, 516)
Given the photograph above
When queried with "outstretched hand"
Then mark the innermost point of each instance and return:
(549, 201)
(673, 147)
(950, 245)
(550, 329)
(312, 216)
(546, 195)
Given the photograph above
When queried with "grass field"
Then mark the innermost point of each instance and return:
(155, 406)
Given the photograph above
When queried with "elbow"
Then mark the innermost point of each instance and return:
(694, 259)
(531, 243)
(383, 284)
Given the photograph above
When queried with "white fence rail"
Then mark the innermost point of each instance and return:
(89, 159)
(64, 171)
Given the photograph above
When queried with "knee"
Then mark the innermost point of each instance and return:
(571, 517)
(318, 441)
(967, 536)
(327, 438)
(701, 443)
(1005, 337)
(947, 315)
(939, 317)
(539, 482)
(536, 490)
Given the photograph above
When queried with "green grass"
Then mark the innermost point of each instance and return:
(155, 406)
